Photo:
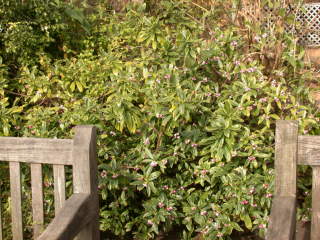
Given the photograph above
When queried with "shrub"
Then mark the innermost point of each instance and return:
(185, 99)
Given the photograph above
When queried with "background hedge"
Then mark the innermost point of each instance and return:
(185, 96)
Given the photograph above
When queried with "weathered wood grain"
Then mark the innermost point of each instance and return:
(15, 189)
(73, 217)
(282, 223)
(309, 150)
(286, 150)
(37, 198)
(59, 187)
(36, 150)
(315, 222)
(0, 220)
(85, 179)
(283, 211)
(77, 217)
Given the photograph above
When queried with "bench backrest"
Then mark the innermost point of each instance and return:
(79, 152)
(292, 150)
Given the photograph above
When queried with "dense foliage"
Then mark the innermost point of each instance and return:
(185, 98)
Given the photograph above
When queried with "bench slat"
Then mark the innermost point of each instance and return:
(59, 187)
(36, 150)
(74, 216)
(0, 220)
(15, 189)
(308, 150)
(286, 158)
(282, 224)
(37, 198)
(315, 222)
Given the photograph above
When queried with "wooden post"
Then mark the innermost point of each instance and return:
(0, 218)
(315, 221)
(85, 175)
(282, 222)
(286, 158)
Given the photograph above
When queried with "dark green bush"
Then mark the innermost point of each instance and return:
(185, 99)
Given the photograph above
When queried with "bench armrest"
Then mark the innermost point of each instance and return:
(76, 213)
(282, 221)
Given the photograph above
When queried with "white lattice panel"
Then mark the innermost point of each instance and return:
(309, 18)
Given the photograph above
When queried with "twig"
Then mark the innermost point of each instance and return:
(17, 94)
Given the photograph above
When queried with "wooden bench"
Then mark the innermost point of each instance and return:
(76, 217)
(292, 150)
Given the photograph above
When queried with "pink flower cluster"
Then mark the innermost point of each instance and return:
(237, 63)
(244, 202)
(176, 136)
(153, 164)
(194, 145)
(213, 160)
(263, 99)
(274, 83)
(204, 172)
(169, 209)
(269, 195)
(203, 213)
(261, 226)
(159, 115)
(219, 234)
(160, 204)
(249, 70)
(234, 43)
(103, 174)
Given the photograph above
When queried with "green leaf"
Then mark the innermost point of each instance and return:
(79, 86)
(247, 221)
(149, 153)
(72, 86)
(154, 175)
